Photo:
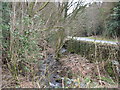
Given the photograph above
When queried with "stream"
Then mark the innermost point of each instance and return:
(49, 71)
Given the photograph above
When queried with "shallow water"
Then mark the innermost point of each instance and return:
(48, 70)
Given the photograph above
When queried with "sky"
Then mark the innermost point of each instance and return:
(85, 1)
(88, 1)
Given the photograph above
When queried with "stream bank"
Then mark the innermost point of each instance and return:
(72, 70)
(107, 55)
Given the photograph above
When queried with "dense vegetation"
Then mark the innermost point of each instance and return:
(35, 45)
(113, 26)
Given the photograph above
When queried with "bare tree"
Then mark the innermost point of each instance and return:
(60, 19)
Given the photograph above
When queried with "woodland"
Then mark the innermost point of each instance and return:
(60, 44)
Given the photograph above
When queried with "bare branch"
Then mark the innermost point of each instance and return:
(42, 7)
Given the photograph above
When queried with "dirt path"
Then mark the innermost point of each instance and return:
(92, 40)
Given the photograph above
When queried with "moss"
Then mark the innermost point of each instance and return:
(104, 52)
(87, 49)
(109, 69)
